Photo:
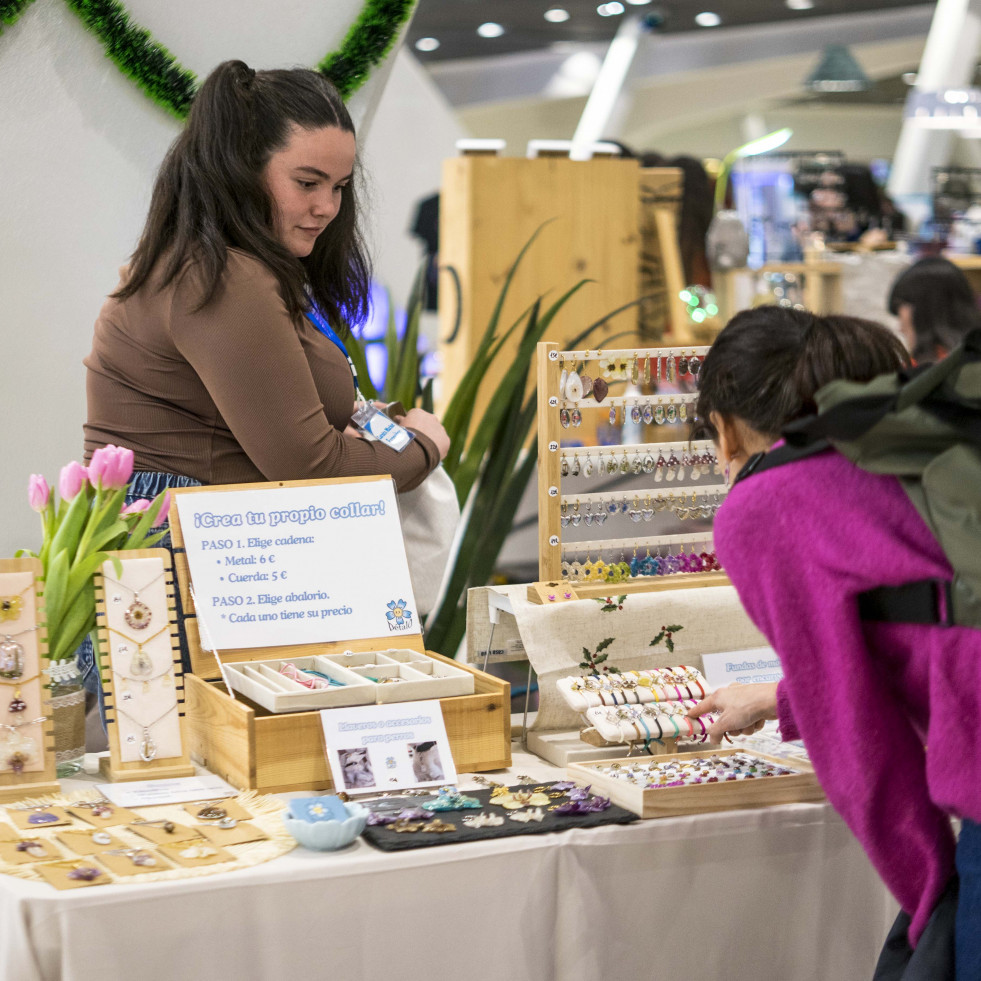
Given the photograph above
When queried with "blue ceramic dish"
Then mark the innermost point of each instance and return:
(328, 836)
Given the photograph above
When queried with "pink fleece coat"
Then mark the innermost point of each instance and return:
(889, 712)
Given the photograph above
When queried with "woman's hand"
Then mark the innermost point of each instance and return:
(427, 424)
(740, 710)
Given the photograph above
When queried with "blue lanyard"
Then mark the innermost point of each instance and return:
(320, 322)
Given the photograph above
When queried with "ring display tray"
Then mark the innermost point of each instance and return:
(798, 786)
(237, 735)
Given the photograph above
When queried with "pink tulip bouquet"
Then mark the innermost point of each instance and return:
(88, 521)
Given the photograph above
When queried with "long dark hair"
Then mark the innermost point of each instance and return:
(944, 305)
(767, 364)
(209, 194)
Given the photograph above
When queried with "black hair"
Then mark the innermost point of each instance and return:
(767, 364)
(944, 305)
(209, 194)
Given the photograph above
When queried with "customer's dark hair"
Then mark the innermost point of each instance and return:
(209, 194)
(767, 364)
(944, 305)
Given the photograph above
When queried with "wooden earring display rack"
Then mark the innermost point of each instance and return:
(27, 750)
(687, 499)
(141, 668)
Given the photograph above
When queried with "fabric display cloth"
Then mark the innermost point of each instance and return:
(381, 836)
(553, 637)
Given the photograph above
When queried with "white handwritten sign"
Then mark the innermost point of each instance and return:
(296, 565)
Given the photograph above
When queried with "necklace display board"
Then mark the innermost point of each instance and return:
(677, 473)
(290, 557)
(141, 668)
(27, 753)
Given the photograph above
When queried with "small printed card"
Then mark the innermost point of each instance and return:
(746, 667)
(146, 793)
(387, 747)
(102, 815)
(77, 875)
(239, 835)
(159, 835)
(83, 843)
(200, 851)
(377, 425)
(39, 817)
(138, 862)
(27, 850)
(231, 808)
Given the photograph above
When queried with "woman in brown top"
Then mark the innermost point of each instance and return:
(217, 360)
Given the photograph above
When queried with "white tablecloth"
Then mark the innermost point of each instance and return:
(781, 894)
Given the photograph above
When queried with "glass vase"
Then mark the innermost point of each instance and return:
(68, 714)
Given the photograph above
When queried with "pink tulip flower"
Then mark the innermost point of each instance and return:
(38, 492)
(164, 511)
(111, 467)
(137, 507)
(72, 480)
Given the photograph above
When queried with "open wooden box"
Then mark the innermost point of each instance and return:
(253, 748)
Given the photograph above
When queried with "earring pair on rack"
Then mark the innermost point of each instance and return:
(667, 468)
(575, 517)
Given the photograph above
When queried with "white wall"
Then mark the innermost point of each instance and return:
(79, 147)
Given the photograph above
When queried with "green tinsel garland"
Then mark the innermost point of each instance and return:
(157, 72)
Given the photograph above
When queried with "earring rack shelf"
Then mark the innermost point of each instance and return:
(557, 463)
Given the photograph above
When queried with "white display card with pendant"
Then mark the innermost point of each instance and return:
(141, 670)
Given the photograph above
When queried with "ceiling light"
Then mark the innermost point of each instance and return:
(800, 4)
(610, 9)
(837, 71)
(639, 3)
(427, 44)
(708, 19)
(556, 15)
(490, 29)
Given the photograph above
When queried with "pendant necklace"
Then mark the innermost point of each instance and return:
(11, 607)
(17, 704)
(12, 655)
(137, 615)
(147, 748)
(141, 664)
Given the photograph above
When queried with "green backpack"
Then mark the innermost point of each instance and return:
(924, 427)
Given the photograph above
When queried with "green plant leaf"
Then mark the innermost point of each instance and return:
(675, 628)
(55, 587)
(669, 644)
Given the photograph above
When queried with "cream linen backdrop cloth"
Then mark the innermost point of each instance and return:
(554, 636)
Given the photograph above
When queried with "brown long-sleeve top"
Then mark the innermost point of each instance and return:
(235, 392)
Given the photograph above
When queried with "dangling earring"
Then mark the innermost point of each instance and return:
(726, 474)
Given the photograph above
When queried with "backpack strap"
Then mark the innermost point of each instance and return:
(759, 462)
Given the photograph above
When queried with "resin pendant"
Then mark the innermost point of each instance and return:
(564, 419)
(575, 470)
(683, 412)
(11, 659)
(143, 859)
(148, 748)
(647, 371)
(587, 470)
(600, 517)
(672, 414)
(683, 365)
(659, 414)
(17, 704)
(648, 464)
(624, 465)
(573, 387)
(140, 665)
(576, 418)
(635, 414)
(564, 467)
(600, 389)
(694, 366)
(563, 378)
(613, 415)
(648, 414)
(587, 385)
(138, 615)
(102, 838)
(611, 466)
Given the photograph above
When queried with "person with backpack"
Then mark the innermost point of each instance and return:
(829, 559)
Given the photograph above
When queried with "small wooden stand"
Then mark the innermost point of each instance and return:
(19, 580)
(253, 748)
(551, 455)
(114, 768)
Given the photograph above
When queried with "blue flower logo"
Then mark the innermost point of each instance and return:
(398, 615)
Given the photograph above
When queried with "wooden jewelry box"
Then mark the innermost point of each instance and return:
(255, 748)
(798, 786)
